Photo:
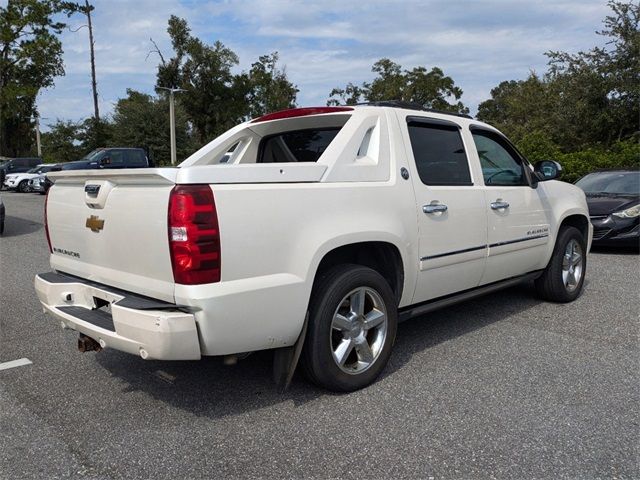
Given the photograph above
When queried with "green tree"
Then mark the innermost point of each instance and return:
(30, 58)
(602, 85)
(141, 120)
(519, 107)
(214, 98)
(60, 143)
(95, 133)
(269, 88)
(428, 88)
(585, 100)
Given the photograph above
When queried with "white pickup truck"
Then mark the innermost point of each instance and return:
(312, 231)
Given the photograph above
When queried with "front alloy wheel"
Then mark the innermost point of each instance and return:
(572, 265)
(563, 278)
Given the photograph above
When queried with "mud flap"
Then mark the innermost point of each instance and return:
(286, 359)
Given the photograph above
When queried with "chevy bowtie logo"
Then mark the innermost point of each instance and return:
(94, 223)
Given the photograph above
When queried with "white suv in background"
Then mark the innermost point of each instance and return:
(20, 181)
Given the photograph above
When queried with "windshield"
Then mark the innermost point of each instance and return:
(92, 155)
(624, 183)
(35, 170)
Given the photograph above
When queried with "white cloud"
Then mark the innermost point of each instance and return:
(326, 44)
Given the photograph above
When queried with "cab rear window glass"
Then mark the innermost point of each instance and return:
(439, 154)
(296, 146)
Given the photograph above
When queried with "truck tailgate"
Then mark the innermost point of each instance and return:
(111, 227)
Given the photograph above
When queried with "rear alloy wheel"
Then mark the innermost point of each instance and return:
(563, 278)
(23, 186)
(352, 327)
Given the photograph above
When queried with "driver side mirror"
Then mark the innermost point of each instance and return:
(105, 161)
(547, 170)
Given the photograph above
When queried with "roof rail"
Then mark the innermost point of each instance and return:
(412, 106)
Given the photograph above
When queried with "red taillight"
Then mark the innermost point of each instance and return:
(300, 112)
(46, 224)
(194, 238)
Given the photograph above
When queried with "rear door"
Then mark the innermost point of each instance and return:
(518, 215)
(452, 219)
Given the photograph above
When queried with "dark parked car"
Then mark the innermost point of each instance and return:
(1, 217)
(113, 158)
(613, 197)
(106, 158)
(17, 165)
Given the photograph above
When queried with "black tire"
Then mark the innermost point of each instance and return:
(23, 186)
(329, 295)
(551, 285)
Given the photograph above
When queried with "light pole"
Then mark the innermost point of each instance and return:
(172, 121)
(38, 137)
(36, 118)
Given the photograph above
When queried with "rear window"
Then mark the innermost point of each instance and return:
(296, 146)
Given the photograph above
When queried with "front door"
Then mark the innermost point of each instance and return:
(452, 220)
(518, 221)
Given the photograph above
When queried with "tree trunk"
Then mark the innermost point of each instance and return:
(94, 84)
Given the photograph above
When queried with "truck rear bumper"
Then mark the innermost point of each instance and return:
(115, 319)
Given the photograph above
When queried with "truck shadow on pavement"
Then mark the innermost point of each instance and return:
(16, 226)
(208, 388)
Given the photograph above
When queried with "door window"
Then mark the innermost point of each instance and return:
(135, 158)
(439, 154)
(117, 158)
(500, 163)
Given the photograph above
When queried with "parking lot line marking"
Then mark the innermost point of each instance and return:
(15, 363)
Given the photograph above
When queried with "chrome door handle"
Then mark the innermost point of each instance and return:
(434, 208)
(499, 204)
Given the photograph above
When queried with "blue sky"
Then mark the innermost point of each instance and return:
(325, 44)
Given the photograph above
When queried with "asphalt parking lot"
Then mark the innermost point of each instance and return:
(501, 387)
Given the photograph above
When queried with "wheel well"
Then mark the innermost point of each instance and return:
(382, 257)
(580, 222)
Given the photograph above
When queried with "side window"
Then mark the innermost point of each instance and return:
(117, 158)
(500, 163)
(135, 158)
(439, 154)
